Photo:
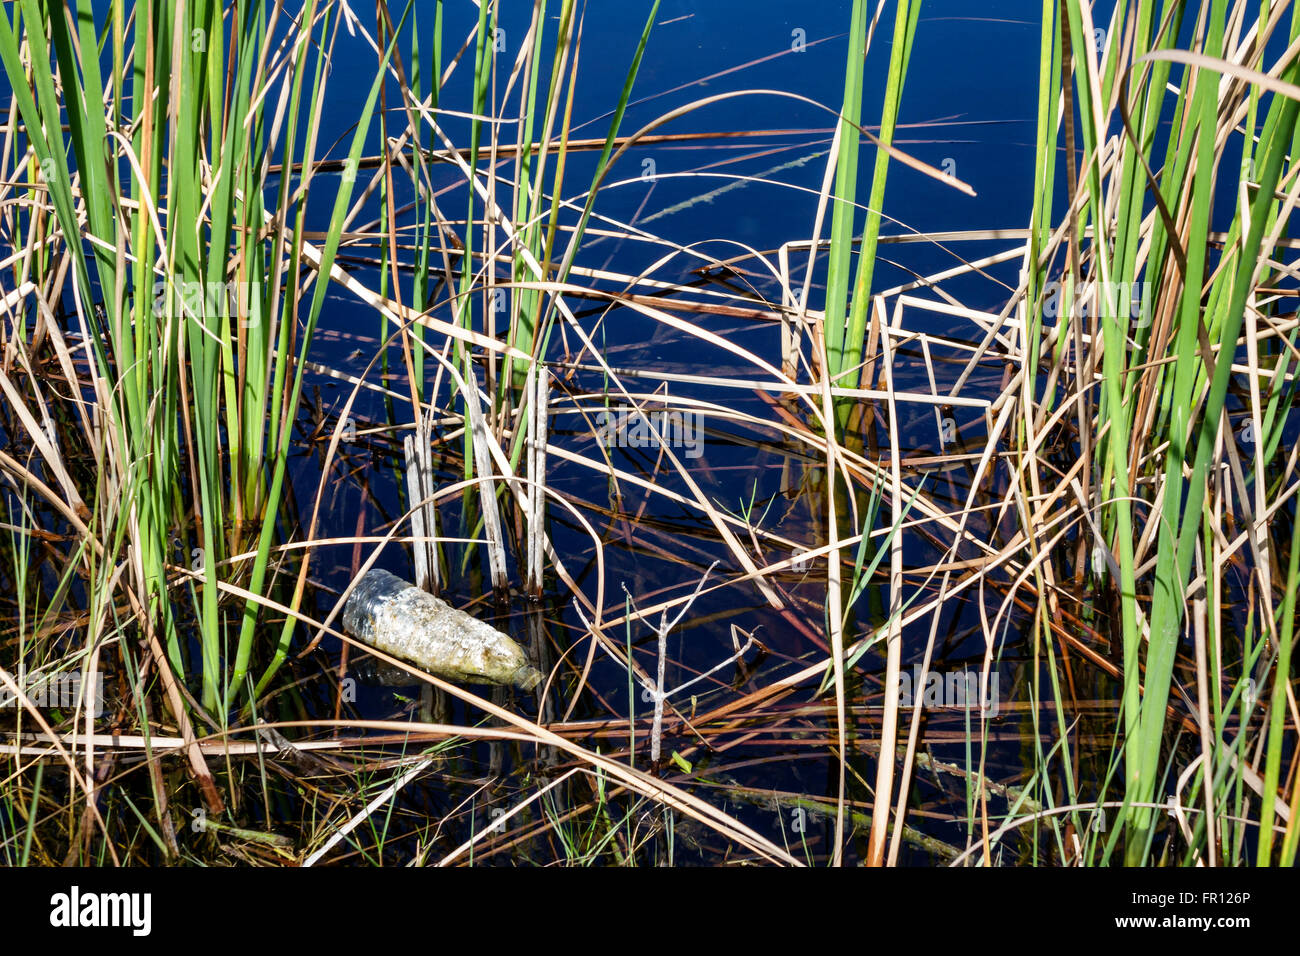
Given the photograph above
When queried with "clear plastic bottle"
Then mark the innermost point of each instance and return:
(398, 618)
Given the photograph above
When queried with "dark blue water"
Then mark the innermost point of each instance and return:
(969, 109)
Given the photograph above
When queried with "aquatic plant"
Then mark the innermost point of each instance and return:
(1102, 466)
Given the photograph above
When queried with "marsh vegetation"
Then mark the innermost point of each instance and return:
(847, 542)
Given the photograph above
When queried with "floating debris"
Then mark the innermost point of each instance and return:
(398, 618)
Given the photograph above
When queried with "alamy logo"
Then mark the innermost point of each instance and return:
(958, 689)
(625, 429)
(209, 299)
(76, 909)
(1129, 299)
(62, 691)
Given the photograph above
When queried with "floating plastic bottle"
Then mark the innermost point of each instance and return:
(396, 617)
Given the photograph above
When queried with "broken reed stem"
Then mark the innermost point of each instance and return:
(415, 490)
(538, 394)
(487, 489)
(894, 637)
(657, 727)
